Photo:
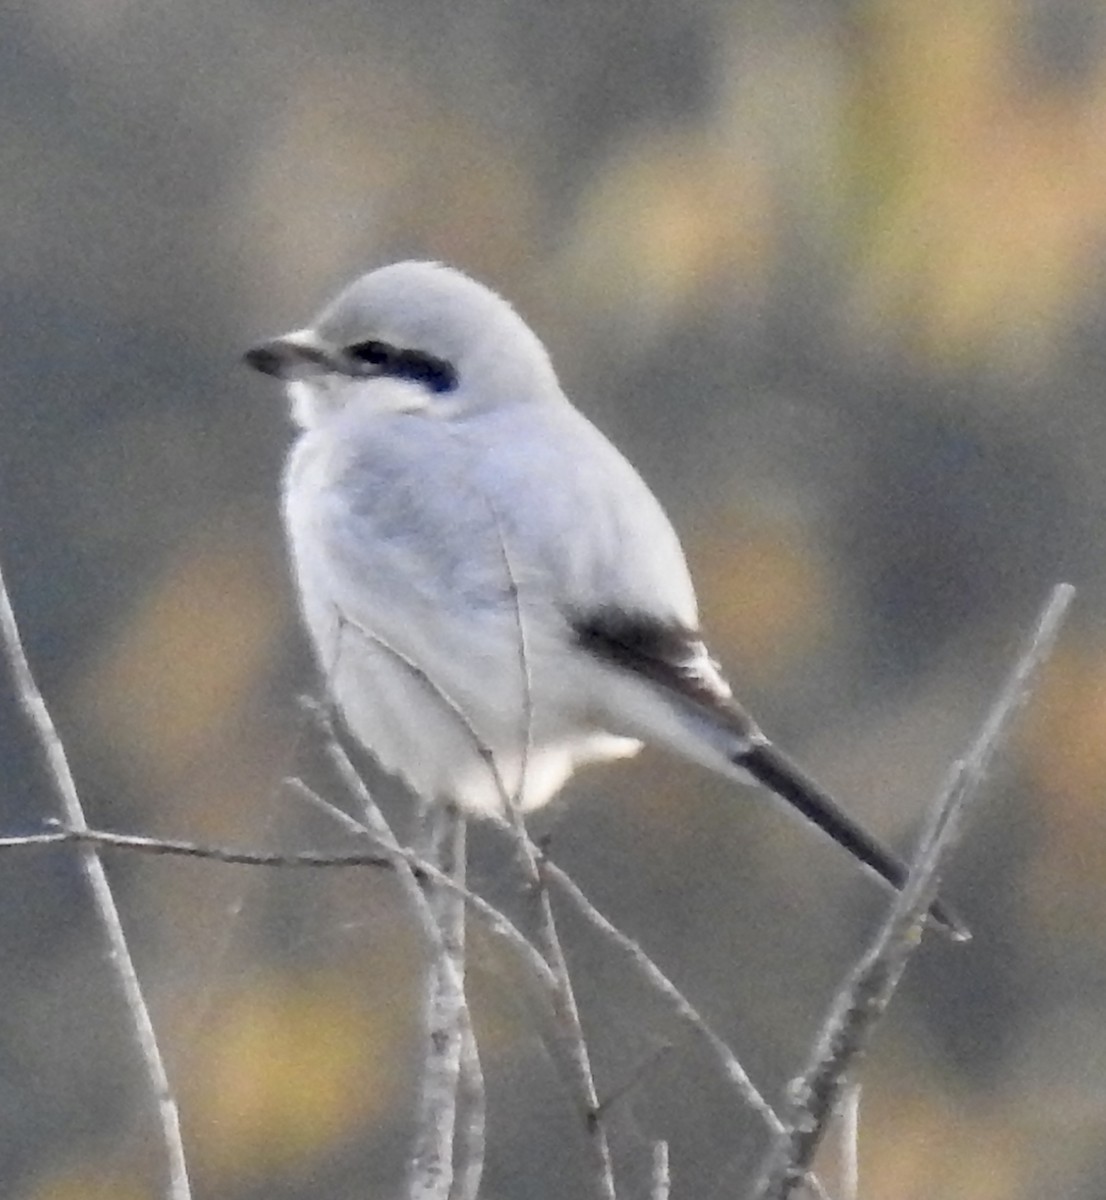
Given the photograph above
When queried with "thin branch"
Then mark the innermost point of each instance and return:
(470, 1080)
(566, 1014)
(661, 1183)
(492, 918)
(494, 921)
(181, 849)
(527, 713)
(483, 750)
(638, 1073)
(34, 706)
(570, 1037)
(470, 1155)
(447, 1018)
(863, 999)
(452, 1100)
(472, 1134)
(450, 1037)
(668, 991)
(848, 1169)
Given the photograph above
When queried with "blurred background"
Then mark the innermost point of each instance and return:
(832, 274)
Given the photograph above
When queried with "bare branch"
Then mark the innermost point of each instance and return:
(661, 1182)
(638, 1073)
(848, 1169)
(34, 706)
(864, 997)
(437, 693)
(566, 1014)
(182, 849)
(526, 716)
(452, 1098)
(570, 1039)
(493, 920)
(469, 1164)
(450, 1037)
(668, 991)
(490, 917)
(448, 1025)
(472, 1128)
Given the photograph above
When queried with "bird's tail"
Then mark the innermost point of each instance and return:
(718, 733)
(775, 771)
(660, 685)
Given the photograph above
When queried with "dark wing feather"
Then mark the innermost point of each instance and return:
(668, 653)
(676, 658)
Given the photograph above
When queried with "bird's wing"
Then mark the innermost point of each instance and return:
(668, 654)
(458, 514)
(677, 661)
(577, 517)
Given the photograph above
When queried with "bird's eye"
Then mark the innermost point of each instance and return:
(376, 354)
(435, 373)
(380, 358)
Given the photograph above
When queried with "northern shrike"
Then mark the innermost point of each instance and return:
(494, 595)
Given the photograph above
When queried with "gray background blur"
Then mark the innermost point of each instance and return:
(832, 275)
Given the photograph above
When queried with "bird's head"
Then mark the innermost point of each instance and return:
(412, 336)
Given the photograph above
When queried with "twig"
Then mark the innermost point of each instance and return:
(566, 1014)
(668, 991)
(493, 920)
(526, 718)
(452, 1097)
(34, 706)
(639, 1072)
(864, 997)
(452, 1100)
(661, 1182)
(848, 1170)
(470, 1154)
(470, 1081)
(469, 1158)
(570, 1038)
(446, 1017)
(174, 848)
(449, 1022)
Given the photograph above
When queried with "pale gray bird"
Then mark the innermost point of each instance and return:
(494, 595)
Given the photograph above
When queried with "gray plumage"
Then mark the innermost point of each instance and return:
(481, 570)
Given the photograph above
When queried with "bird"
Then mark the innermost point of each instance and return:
(494, 595)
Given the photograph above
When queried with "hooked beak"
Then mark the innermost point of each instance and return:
(297, 355)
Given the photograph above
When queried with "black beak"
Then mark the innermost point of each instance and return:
(293, 356)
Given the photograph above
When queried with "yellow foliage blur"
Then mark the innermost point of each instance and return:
(187, 655)
(671, 218)
(768, 595)
(981, 195)
(1066, 741)
(289, 1066)
(89, 1184)
(914, 1148)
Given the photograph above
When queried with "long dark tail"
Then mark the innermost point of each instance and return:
(773, 769)
(686, 703)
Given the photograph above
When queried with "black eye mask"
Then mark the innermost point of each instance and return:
(379, 358)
